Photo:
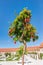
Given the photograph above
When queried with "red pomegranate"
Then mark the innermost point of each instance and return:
(10, 30)
(14, 42)
(32, 36)
(11, 36)
(27, 19)
(31, 33)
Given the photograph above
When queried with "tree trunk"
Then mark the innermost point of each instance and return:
(23, 59)
(24, 50)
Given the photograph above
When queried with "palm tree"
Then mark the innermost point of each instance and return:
(22, 30)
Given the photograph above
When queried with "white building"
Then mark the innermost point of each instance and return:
(34, 50)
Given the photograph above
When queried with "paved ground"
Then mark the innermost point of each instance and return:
(16, 63)
(28, 61)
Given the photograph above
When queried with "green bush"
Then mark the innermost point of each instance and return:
(41, 55)
(10, 58)
(32, 53)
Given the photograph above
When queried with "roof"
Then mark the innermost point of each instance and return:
(41, 45)
(33, 48)
(8, 49)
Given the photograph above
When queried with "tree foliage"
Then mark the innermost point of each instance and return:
(19, 53)
(21, 29)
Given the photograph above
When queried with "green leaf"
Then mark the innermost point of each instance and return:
(21, 47)
(24, 32)
(19, 53)
(36, 37)
(26, 52)
(28, 39)
(15, 39)
(17, 58)
(19, 24)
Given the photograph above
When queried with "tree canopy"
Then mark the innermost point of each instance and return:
(21, 29)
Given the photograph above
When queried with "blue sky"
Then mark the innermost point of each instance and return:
(7, 16)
